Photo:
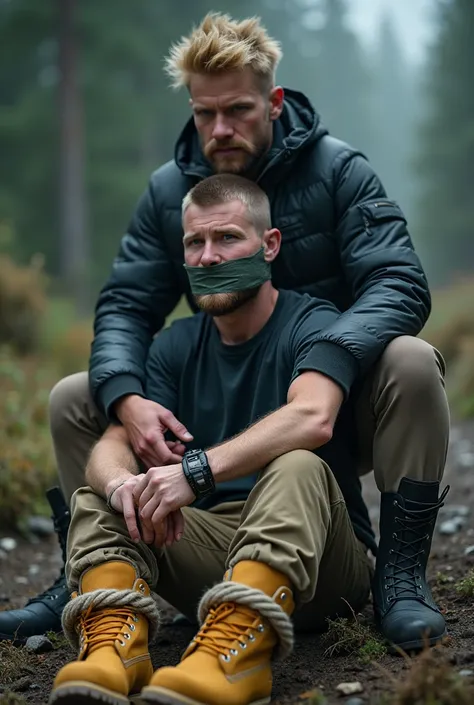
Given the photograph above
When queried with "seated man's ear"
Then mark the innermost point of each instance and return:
(271, 244)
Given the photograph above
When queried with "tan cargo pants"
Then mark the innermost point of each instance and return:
(402, 418)
(294, 520)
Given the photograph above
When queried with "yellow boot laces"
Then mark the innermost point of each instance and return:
(224, 625)
(105, 626)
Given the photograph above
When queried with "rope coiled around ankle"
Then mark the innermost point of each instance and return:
(106, 599)
(257, 600)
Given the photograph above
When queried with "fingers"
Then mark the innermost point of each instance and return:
(175, 426)
(177, 448)
(178, 520)
(129, 513)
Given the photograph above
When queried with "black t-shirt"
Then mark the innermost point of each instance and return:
(218, 390)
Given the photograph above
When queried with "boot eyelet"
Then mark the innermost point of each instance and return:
(395, 503)
(251, 637)
(391, 551)
(242, 645)
(386, 586)
(394, 536)
(260, 628)
(234, 652)
(141, 587)
(126, 635)
(225, 657)
(122, 643)
(136, 618)
(132, 627)
(387, 565)
(389, 598)
(283, 596)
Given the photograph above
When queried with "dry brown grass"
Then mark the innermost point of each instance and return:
(432, 680)
(352, 637)
(451, 330)
(15, 662)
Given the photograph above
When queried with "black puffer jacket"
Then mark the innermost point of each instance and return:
(342, 240)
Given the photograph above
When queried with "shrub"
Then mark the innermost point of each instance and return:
(451, 330)
(22, 303)
(26, 460)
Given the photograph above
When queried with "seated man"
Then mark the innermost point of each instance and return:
(254, 527)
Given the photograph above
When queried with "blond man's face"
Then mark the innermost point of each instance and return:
(234, 119)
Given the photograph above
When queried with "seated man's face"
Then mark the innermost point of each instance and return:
(216, 234)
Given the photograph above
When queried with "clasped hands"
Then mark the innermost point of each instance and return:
(152, 503)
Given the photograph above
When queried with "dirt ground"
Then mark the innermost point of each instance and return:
(308, 668)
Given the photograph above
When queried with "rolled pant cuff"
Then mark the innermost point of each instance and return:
(101, 556)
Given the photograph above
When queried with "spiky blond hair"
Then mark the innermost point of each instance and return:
(220, 43)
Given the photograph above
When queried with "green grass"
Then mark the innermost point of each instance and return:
(465, 586)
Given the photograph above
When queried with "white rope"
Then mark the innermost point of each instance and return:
(105, 599)
(257, 600)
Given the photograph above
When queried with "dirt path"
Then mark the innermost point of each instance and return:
(308, 668)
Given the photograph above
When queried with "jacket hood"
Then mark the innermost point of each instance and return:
(298, 126)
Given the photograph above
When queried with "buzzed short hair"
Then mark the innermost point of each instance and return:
(224, 188)
(220, 44)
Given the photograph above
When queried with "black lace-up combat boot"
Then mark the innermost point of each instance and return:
(404, 607)
(42, 613)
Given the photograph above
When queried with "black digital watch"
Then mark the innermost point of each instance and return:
(198, 473)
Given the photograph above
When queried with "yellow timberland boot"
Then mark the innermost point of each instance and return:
(229, 661)
(109, 619)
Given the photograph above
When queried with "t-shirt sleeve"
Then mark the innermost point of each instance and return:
(342, 368)
(162, 371)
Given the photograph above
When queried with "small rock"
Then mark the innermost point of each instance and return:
(466, 459)
(39, 644)
(350, 688)
(33, 569)
(21, 684)
(3, 554)
(467, 634)
(455, 510)
(40, 526)
(8, 544)
(21, 580)
(466, 672)
(468, 550)
(451, 526)
(35, 686)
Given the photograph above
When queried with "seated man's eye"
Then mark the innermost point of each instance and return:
(229, 236)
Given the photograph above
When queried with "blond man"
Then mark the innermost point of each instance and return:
(342, 240)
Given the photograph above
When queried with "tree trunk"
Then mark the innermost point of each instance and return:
(74, 249)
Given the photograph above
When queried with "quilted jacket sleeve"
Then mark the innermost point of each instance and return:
(389, 288)
(141, 291)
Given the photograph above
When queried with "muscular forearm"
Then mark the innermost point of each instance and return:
(289, 428)
(111, 462)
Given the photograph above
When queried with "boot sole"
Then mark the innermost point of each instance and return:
(163, 696)
(82, 693)
(417, 645)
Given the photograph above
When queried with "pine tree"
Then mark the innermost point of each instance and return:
(446, 159)
(339, 82)
(394, 102)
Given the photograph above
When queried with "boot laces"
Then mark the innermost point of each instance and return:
(53, 592)
(104, 627)
(405, 576)
(224, 625)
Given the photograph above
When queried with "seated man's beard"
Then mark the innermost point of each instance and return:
(223, 304)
